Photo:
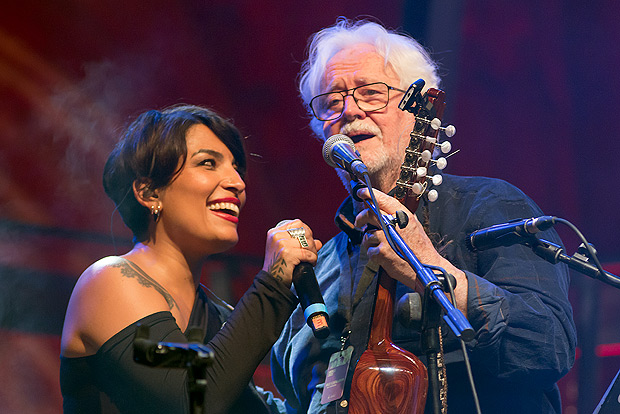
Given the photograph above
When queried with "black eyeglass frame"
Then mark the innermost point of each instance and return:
(351, 92)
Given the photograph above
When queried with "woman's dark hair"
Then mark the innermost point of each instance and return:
(149, 152)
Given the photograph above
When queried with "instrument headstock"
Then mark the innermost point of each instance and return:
(428, 109)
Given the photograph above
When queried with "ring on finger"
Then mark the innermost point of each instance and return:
(299, 233)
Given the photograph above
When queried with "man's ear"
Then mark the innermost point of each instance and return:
(144, 194)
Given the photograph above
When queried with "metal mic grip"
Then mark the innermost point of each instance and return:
(311, 299)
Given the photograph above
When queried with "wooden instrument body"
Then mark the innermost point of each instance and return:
(387, 379)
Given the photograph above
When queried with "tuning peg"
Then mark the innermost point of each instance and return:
(436, 179)
(450, 130)
(446, 147)
(432, 195)
(426, 156)
(441, 163)
(417, 188)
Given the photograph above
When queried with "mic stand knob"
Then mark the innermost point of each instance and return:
(401, 219)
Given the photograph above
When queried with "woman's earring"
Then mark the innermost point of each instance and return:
(155, 212)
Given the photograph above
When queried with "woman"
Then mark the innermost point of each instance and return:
(176, 178)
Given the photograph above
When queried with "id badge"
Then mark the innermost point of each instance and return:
(336, 375)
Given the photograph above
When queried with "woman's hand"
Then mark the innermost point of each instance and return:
(283, 251)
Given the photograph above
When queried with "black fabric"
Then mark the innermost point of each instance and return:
(110, 382)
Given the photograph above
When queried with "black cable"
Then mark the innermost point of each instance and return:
(470, 376)
(591, 253)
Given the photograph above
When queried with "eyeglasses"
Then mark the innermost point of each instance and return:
(369, 98)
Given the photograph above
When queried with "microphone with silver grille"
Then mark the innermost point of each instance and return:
(339, 152)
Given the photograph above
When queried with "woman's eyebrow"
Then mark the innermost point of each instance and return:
(216, 154)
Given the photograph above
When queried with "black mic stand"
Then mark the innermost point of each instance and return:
(431, 318)
(580, 262)
(424, 315)
(192, 356)
(431, 342)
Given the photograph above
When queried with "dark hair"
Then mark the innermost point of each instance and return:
(149, 152)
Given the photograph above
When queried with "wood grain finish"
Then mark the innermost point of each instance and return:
(387, 379)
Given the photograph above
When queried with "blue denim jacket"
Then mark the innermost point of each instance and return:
(517, 304)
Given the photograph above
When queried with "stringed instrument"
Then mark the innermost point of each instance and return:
(389, 379)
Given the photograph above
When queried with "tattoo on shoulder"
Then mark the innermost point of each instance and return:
(131, 270)
(276, 269)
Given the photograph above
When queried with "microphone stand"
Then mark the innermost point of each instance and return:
(432, 286)
(192, 356)
(431, 343)
(431, 310)
(554, 253)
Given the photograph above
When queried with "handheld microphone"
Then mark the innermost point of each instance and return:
(507, 234)
(339, 152)
(311, 300)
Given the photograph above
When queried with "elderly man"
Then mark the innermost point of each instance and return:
(516, 303)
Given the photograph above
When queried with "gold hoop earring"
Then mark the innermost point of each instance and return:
(155, 212)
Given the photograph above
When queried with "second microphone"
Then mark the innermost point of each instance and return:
(308, 292)
(311, 299)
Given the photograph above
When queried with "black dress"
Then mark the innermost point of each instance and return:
(111, 382)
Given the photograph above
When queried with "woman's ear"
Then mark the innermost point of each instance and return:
(144, 194)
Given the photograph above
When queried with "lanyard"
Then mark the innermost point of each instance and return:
(357, 277)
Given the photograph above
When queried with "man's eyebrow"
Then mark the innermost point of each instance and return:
(358, 82)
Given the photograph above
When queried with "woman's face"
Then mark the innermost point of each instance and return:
(200, 207)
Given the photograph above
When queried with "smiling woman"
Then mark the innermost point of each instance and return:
(176, 177)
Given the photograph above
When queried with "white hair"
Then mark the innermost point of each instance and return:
(405, 55)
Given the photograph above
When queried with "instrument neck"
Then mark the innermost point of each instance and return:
(381, 328)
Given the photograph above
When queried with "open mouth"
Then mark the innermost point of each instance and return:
(225, 207)
(360, 137)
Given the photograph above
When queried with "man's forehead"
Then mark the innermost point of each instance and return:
(354, 66)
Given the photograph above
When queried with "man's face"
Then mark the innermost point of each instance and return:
(381, 136)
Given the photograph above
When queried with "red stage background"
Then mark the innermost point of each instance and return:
(532, 86)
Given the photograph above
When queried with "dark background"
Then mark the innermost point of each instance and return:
(532, 87)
